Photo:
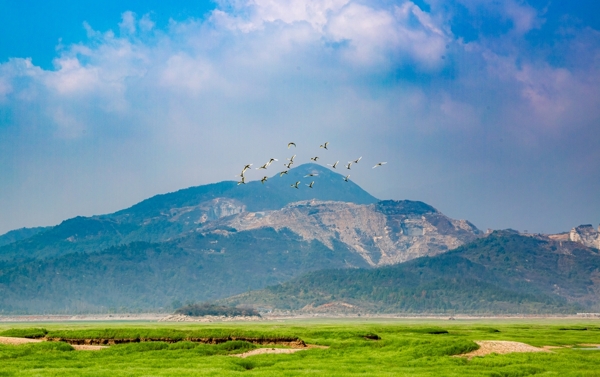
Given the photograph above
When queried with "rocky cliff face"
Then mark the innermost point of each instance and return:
(586, 235)
(206, 211)
(384, 233)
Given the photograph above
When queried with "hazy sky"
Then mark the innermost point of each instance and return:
(487, 110)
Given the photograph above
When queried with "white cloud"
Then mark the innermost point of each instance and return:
(146, 23)
(370, 34)
(183, 72)
(523, 16)
(128, 23)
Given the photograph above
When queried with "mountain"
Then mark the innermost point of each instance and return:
(169, 216)
(505, 272)
(224, 258)
(19, 234)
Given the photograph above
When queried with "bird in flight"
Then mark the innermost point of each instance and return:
(271, 161)
(346, 177)
(324, 145)
(264, 179)
(292, 159)
(358, 159)
(246, 167)
(348, 166)
(288, 165)
(311, 184)
(379, 164)
(295, 185)
(334, 165)
(243, 181)
(314, 158)
(311, 175)
(290, 144)
(282, 173)
(264, 166)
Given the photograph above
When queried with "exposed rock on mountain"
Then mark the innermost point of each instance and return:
(385, 233)
(586, 235)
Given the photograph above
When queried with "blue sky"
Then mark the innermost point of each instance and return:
(489, 111)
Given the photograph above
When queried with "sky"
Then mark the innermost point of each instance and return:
(487, 110)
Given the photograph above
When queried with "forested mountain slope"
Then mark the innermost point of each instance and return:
(503, 273)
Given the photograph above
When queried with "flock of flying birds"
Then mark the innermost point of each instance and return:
(290, 162)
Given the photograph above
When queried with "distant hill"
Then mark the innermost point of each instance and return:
(20, 234)
(503, 273)
(147, 276)
(168, 216)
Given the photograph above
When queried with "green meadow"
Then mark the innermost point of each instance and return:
(404, 348)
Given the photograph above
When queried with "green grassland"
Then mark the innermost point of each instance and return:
(406, 348)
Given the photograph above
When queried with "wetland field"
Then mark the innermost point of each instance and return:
(361, 347)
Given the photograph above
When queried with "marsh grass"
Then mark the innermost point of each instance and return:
(415, 349)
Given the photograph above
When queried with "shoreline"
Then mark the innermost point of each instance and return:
(170, 318)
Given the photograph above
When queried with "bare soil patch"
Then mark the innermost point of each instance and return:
(261, 351)
(79, 347)
(17, 341)
(487, 347)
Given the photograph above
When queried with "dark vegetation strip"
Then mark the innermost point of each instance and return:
(122, 336)
(204, 309)
(290, 342)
